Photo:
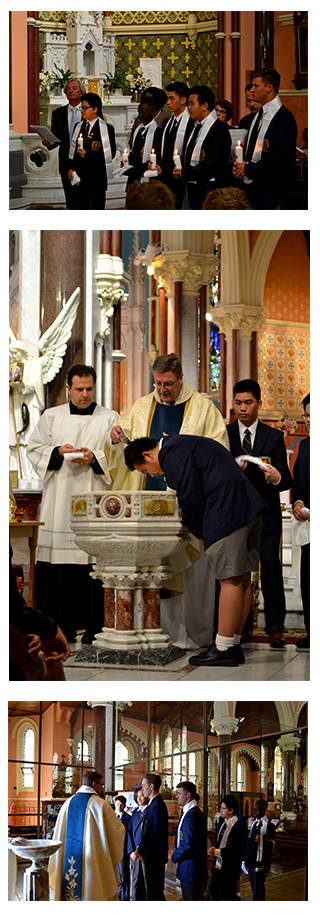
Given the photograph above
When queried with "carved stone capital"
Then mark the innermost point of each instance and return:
(245, 317)
(228, 725)
(289, 742)
(111, 281)
(193, 270)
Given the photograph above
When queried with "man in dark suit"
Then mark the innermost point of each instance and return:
(147, 136)
(247, 435)
(301, 511)
(228, 853)
(205, 156)
(253, 107)
(259, 849)
(191, 844)
(175, 134)
(268, 170)
(63, 122)
(222, 508)
(124, 866)
(138, 887)
(153, 847)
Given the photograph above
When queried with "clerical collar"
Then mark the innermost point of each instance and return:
(89, 410)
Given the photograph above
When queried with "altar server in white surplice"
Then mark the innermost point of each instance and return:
(64, 589)
(173, 407)
(85, 867)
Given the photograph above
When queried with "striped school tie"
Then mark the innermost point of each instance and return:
(246, 443)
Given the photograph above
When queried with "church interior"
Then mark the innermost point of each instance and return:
(254, 750)
(219, 49)
(232, 305)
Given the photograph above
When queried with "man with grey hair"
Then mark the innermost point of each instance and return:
(85, 866)
(63, 122)
(173, 407)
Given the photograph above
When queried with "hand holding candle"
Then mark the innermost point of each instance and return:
(153, 159)
(80, 142)
(125, 158)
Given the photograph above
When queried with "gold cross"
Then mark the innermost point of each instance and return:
(158, 44)
(173, 57)
(187, 42)
(187, 72)
(129, 44)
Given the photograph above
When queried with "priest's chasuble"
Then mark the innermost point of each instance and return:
(58, 426)
(85, 867)
(200, 417)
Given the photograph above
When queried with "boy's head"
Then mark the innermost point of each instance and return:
(247, 401)
(142, 455)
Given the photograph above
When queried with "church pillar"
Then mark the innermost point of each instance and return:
(203, 350)
(29, 287)
(111, 280)
(103, 753)
(177, 326)
(163, 322)
(235, 65)
(221, 38)
(224, 726)
(33, 68)
(289, 745)
(99, 343)
(238, 322)
(264, 39)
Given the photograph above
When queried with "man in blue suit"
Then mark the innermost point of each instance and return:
(123, 866)
(153, 846)
(222, 508)
(249, 436)
(301, 511)
(138, 888)
(191, 844)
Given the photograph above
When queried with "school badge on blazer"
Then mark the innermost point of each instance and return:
(265, 146)
(203, 154)
(95, 145)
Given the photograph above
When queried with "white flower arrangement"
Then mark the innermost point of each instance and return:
(44, 80)
(137, 81)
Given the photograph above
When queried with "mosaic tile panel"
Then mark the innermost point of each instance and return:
(140, 17)
(283, 369)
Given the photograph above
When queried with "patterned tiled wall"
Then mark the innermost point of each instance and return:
(179, 60)
(283, 368)
(287, 287)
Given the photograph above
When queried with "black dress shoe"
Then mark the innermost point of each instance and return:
(212, 657)
(238, 650)
(276, 640)
(303, 644)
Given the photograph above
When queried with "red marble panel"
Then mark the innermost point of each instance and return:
(109, 607)
(151, 599)
(124, 610)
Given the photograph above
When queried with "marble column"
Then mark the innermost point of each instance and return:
(289, 745)
(221, 37)
(235, 35)
(33, 68)
(238, 322)
(103, 748)
(224, 726)
(99, 738)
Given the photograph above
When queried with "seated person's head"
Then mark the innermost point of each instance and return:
(150, 196)
(226, 199)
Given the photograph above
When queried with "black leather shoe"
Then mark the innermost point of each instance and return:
(238, 650)
(212, 657)
(276, 640)
(303, 644)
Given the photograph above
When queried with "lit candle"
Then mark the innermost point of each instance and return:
(176, 159)
(80, 142)
(153, 159)
(125, 158)
(239, 153)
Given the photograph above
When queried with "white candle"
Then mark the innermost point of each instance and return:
(125, 158)
(80, 142)
(176, 159)
(153, 159)
(239, 153)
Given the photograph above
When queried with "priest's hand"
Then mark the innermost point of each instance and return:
(66, 449)
(34, 645)
(87, 458)
(238, 170)
(56, 649)
(115, 433)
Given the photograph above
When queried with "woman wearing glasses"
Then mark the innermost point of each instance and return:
(91, 153)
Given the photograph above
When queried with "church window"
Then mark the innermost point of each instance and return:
(122, 758)
(28, 751)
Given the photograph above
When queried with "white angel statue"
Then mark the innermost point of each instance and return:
(27, 375)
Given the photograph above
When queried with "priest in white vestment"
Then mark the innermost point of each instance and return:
(85, 867)
(64, 588)
(173, 407)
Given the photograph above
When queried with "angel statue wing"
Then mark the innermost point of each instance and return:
(53, 342)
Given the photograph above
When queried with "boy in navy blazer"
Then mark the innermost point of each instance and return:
(153, 846)
(134, 832)
(191, 845)
(300, 504)
(268, 444)
(223, 509)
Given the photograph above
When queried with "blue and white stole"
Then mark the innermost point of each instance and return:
(72, 880)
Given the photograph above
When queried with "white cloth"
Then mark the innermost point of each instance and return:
(270, 109)
(55, 428)
(182, 120)
(103, 844)
(262, 831)
(105, 146)
(230, 822)
(206, 124)
(148, 132)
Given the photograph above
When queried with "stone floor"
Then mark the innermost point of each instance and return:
(262, 663)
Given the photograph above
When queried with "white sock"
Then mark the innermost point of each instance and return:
(223, 642)
(236, 640)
